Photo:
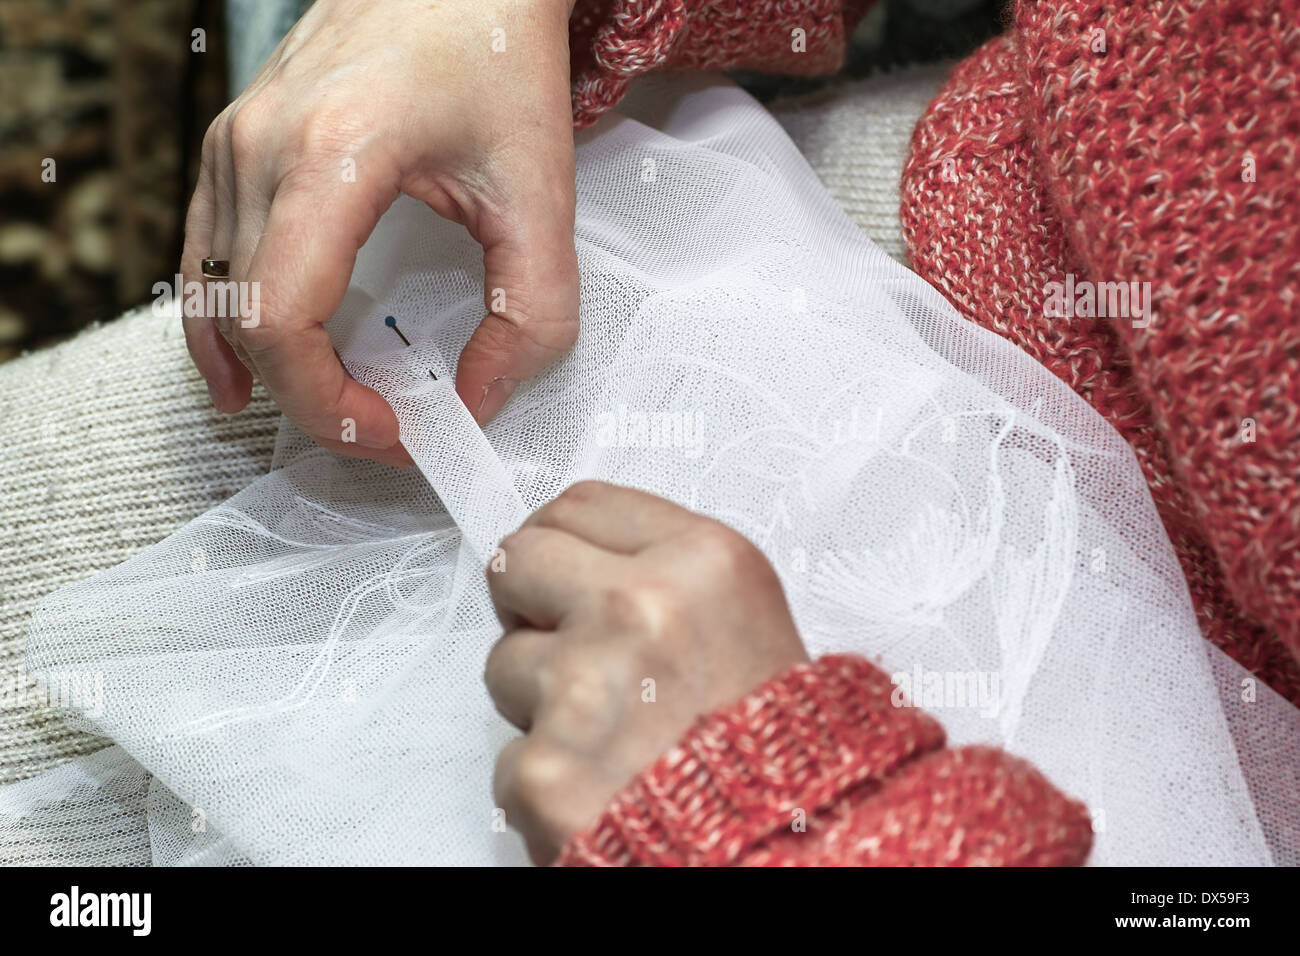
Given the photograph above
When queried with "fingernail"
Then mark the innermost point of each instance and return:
(374, 440)
(495, 396)
(212, 396)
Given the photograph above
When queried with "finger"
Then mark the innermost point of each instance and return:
(511, 796)
(535, 783)
(530, 285)
(513, 674)
(240, 209)
(302, 266)
(543, 576)
(612, 517)
(223, 187)
(396, 455)
(229, 382)
(253, 191)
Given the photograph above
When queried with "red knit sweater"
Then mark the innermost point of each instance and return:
(1152, 142)
(1108, 141)
(613, 41)
(818, 767)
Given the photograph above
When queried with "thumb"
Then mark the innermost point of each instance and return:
(530, 288)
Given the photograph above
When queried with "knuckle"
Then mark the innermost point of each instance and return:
(323, 133)
(246, 132)
(544, 793)
(330, 408)
(496, 667)
(637, 609)
(533, 321)
(568, 506)
(196, 227)
(727, 554)
(583, 694)
(581, 494)
(559, 332)
(258, 340)
(502, 777)
(539, 774)
(212, 138)
(494, 344)
(518, 546)
(562, 334)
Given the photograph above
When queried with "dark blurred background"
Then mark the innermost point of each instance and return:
(116, 94)
(112, 91)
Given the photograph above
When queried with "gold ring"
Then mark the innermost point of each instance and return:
(216, 268)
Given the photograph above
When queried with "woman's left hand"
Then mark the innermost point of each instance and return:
(626, 618)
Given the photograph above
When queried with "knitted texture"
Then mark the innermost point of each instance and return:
(818, 766)
(613, 41)
(1142, 149)
(110, 444)
(855, 136)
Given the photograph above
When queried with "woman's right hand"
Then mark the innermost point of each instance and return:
(463, 104)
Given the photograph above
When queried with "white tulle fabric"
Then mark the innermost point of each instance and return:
(295, 677)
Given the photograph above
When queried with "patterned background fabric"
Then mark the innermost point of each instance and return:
(111, 91)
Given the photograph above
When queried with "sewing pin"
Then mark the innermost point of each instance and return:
(391, 322)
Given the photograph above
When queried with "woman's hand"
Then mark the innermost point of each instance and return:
(463, 104)
(626, 618)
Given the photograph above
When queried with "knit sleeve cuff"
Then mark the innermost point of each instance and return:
(792, 746)
(613, 41)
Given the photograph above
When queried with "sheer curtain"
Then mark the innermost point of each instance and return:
(295, 676)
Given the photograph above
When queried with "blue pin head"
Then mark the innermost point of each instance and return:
(390, 321)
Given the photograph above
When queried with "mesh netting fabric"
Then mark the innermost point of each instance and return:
(296, 676)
